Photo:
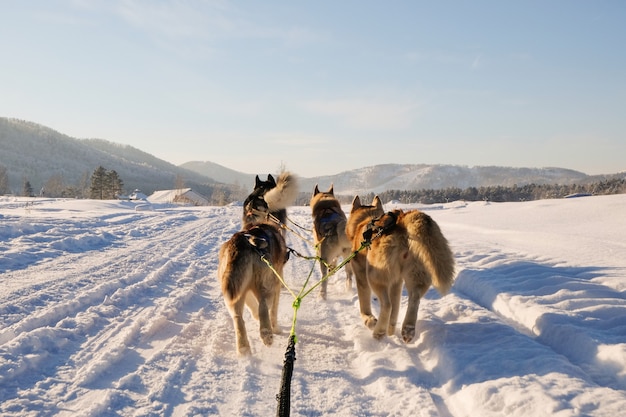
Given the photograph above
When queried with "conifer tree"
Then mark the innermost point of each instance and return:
(98, 183)
(4, 181)
(115, 185)
(105, 185)
(27, 189)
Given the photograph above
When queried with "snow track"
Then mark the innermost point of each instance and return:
(105, 311)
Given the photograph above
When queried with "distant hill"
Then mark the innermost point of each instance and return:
(380, 178)
(416, 177)
(220, 173)
(36, 153)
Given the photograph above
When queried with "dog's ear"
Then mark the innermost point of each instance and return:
(330, 190)
(316, 191)
(271, 180)
(377, 203)
(257, 182)
(356, 203)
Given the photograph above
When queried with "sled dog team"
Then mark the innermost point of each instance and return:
(390, 250)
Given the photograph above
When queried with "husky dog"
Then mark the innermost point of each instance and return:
(406, 248)
(329, 232)
(246, 278)
(279, 194)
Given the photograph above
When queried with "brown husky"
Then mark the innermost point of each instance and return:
(329, 232)
(246, 278)
(406, 248)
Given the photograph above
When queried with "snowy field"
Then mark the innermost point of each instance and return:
(106, 310)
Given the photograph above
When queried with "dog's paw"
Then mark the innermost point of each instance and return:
(408, 333)
(370, 322)
(391, 330)
(378, 334)
(277, 330)
(244, 350)
(267, 337)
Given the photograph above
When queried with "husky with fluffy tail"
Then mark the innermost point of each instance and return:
(245, 277)
(329, 233)
(279, 194)
(406, 248)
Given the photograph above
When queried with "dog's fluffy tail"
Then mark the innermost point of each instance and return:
(429, 245)
(285, 192)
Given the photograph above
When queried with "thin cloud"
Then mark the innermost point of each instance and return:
(208, 21)
(366, 113)
(296, 139)
(174, 19)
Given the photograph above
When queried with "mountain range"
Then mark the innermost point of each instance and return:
(36, 153)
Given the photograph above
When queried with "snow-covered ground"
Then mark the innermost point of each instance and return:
(106, 310)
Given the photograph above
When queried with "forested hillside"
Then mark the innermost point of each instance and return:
(62, 165)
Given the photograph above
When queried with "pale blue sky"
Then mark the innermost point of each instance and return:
(326, 86)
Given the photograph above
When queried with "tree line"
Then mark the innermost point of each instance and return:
(107, 184)
(501, 193)
(102, 185)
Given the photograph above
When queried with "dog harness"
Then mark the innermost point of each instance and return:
(374, 230)
(328, 221)
(261, 240)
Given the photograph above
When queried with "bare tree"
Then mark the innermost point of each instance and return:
(179, 182)
(54, 186)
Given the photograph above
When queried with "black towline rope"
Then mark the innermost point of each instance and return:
(284, 396)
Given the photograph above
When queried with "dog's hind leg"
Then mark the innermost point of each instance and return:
(241, 336)
(253, 305)
(386, 282)
(265, 324)
(417, 283)
(327, 263)
(384, 298)
(410, 319)
(395, 294)
(324, 284)
(363, 290)
(349, 276)
(274, 311)
(345, 253)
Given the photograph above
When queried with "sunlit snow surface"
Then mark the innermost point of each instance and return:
(109, 309)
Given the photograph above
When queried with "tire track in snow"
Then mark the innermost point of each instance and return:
(170, 343)
(101, 327)
(100, 278)
(162, 341)
(71, 274)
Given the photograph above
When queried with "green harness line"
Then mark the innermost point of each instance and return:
(304, 292)
(369, 235)
(285, 227)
